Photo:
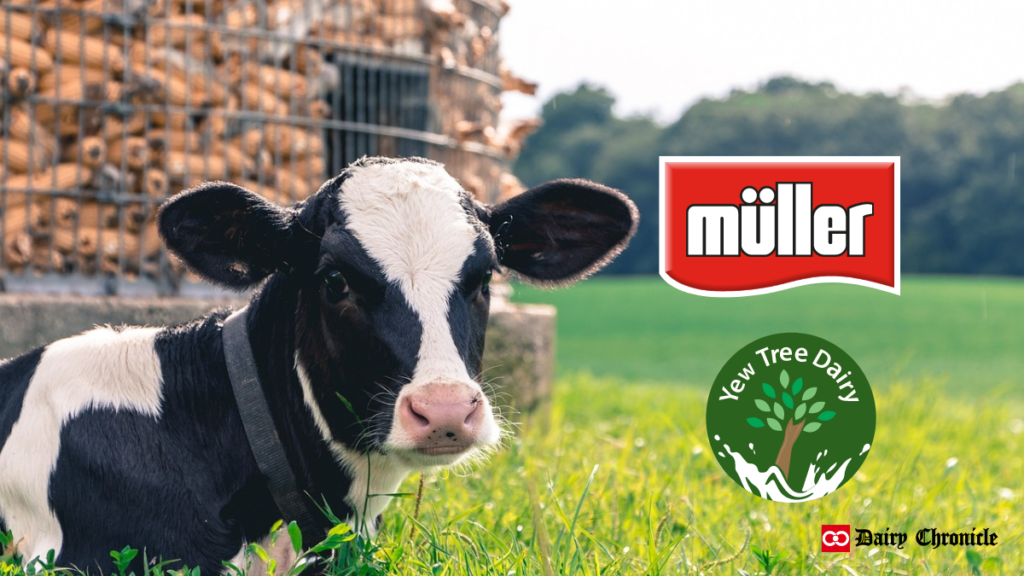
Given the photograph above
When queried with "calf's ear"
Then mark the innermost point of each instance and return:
(562, 231)
(229, 235)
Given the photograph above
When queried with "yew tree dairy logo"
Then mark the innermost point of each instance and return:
(791, 417)
(737, 226)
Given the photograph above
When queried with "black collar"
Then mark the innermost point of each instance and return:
(262, 435)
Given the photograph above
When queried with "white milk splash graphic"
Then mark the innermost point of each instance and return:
(772, 485)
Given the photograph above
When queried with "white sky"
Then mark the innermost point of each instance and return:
(660, 56)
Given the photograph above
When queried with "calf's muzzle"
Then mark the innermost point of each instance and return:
(443, 417)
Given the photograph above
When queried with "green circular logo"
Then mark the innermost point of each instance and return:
(791, 417)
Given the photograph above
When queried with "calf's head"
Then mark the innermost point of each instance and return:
(388, 266)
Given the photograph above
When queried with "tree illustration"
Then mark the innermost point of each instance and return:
(797, 424)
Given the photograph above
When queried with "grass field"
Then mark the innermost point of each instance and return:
(967, 333)
(621, 480)
(658, 503)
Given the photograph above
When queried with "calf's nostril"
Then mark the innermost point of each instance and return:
(417, 417)
(472, 413)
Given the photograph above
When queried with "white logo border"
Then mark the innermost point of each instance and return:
(662, 219)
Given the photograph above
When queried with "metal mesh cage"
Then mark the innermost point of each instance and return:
(111, 106)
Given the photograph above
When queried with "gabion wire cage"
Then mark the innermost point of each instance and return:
(111, 106)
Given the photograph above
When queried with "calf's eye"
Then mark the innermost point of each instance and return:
(484, 288)
(337, 286)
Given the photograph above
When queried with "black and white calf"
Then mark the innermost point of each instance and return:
(367, 334)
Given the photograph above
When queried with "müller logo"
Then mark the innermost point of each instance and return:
(785, 229)
(738, 226)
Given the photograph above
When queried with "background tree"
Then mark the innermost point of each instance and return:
(583, 138)
(799, 415)
(962, 159)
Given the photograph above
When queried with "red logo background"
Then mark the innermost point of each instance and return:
(832, 538)
(840, 181)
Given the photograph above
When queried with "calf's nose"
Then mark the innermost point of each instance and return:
(442, 417)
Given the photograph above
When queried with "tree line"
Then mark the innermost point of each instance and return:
(961, 159)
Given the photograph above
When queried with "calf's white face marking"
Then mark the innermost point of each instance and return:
(410, 219)
(102, 368)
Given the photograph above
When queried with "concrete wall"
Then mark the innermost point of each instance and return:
(518, 360)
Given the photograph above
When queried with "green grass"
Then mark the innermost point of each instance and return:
(660, 504)
(967, 332)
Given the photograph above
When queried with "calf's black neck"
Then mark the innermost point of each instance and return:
(271, 324)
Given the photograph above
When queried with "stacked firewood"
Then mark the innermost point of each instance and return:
(107, 107)
(111, 108)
